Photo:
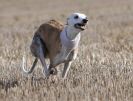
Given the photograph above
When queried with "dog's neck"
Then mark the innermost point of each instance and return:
(71, 32)
(70, 37)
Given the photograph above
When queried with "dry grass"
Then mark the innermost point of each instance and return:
(103, 70)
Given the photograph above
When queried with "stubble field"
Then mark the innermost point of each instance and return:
(103, 70)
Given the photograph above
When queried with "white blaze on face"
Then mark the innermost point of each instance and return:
(76, 18)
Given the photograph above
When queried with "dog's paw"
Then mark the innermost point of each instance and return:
(53, 71)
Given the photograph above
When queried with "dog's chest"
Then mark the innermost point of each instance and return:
(64, 53)
(67, 47)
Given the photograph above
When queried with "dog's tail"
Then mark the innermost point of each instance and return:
(32, 68)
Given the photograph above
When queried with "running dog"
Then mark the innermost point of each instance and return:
(58, 43)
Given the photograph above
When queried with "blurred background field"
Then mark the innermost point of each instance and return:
(103, 70)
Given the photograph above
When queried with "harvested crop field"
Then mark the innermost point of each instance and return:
(103, 70)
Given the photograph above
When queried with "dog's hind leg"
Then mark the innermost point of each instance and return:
(37, 49)
(42, 59)
(34, 49)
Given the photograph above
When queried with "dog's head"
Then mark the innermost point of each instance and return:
(77, 20)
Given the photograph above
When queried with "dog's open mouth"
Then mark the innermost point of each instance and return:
(80, 26)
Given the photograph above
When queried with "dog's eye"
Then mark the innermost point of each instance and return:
(76, 17)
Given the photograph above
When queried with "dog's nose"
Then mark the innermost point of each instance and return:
(84, 20)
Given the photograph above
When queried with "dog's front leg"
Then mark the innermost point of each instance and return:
(66, 69)
(67, 65)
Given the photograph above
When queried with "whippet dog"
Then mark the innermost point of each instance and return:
(58, 43)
